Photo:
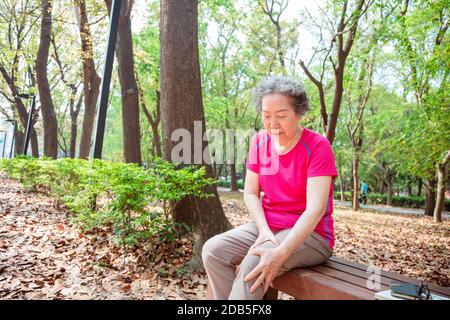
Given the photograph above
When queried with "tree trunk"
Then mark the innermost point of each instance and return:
(430, 196)
(419, 187)
(21, 109)
(47, 109)
(355, 203)
(128, 84)
(381, 185)
(18, 142)
(91, 82)
(73, 137)
(181, 105)
(441, 169)
(74, 111)
(341, 184)
(234, 185)
(154, 122)
(390, 190)
(34, 143)
(409, 188)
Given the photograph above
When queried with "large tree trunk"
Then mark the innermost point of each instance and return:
(430, 196)
(441, 173)
(47, 109)
(91, 82)
(181, 105)
(128, 84)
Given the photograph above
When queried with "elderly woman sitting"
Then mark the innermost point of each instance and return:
(292, 225)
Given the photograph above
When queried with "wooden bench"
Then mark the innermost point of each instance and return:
(337, 279)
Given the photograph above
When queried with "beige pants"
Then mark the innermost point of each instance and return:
(224, 252)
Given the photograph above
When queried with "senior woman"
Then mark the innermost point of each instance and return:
(291, 225)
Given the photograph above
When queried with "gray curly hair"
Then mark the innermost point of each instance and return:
(285, 86)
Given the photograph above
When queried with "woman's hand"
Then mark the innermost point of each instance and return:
(270, 263)
(264, 235)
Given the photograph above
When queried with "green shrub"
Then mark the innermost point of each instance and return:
(227, 184)
(122, 196)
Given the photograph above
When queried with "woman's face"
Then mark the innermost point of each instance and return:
(279, 117)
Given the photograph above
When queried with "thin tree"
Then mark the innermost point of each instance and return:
(343, 38)
(91, 80)
(128, 83)
(45, 96)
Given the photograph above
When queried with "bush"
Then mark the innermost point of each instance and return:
(227, 184)
(130, 194)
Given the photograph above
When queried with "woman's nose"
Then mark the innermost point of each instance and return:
(274, 123)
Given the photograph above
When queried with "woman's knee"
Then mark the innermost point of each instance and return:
(248, 264)
(212, 247)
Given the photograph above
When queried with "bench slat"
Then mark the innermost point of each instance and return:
(354, 271)
(344, 276)
(391, 276)
(310, 285)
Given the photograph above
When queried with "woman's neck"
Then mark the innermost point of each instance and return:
(286, 146)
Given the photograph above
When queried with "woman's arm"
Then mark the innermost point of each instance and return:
(318, 189)
(254, 206)
(252, 201)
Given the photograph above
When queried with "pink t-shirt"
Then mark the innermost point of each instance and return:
(283, 178)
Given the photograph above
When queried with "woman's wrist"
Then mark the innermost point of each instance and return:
(283, 252)
(263, 227)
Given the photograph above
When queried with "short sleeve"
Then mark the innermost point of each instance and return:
(253, 159)
(322, 161)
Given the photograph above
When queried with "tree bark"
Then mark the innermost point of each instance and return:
(74, 111)
(128, 84)
(21, 109)
(181, 105)
(419, 187)
(355, 181)
(441, 169)
(390, 190)
(91, 82)
(154, 121)
(18, 142)
(341, 185)
(233, 185)
(430, 196)
(47, 108)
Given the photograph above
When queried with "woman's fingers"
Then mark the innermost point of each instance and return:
(256, 271)
(274, 239)
(258, 283)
